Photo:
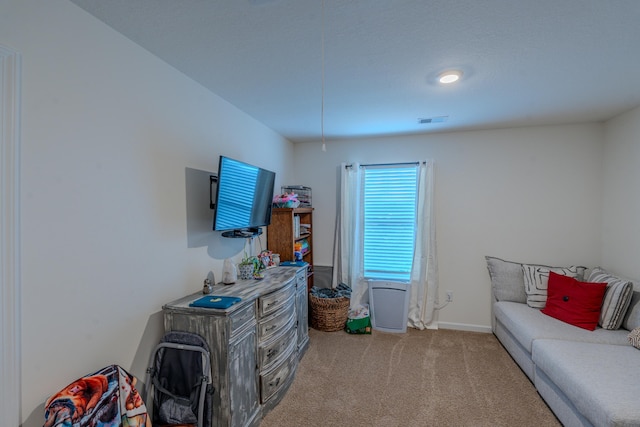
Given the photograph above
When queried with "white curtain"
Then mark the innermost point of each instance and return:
(348, 245)
(424, 273)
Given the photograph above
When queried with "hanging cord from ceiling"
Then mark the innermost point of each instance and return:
(324, 146)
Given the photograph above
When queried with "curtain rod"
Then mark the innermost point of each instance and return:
(387, 164)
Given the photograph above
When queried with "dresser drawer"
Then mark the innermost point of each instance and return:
(270, 352)
(272, 302)
(241, 317)
(301, 278)
(273, 380)
(277, 321)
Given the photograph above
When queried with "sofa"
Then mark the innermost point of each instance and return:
(586, 377)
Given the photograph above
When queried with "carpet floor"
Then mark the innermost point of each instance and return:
(416, 379)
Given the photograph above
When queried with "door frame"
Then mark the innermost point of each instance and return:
(10, 303)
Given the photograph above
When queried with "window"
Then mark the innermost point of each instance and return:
(389, 206)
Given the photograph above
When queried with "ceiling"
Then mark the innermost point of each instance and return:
(524, 62)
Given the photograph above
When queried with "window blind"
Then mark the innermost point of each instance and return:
(389, 198)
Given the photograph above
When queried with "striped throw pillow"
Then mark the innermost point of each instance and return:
(616, 298)
(536, 280)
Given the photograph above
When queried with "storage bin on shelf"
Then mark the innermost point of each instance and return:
(304, 194)
(286, 201)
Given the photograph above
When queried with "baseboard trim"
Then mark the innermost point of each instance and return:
(465, 327)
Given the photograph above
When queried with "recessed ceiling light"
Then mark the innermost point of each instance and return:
(450, 76)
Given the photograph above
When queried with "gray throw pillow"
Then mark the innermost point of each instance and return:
(506, 280)
(632, 319)
(616, 298)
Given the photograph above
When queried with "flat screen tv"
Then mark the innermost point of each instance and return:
(243, 198)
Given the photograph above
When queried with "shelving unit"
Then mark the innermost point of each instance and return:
(282, 236)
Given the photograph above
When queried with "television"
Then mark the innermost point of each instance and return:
(243, 198)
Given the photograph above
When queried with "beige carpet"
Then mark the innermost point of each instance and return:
(421, 378)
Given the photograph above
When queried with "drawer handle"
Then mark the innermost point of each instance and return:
(268, 328)
(273, 302)
(272, 352)
(275, 383)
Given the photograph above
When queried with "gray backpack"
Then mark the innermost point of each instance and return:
(180, 377)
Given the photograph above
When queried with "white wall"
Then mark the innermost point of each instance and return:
(621, 222)
(108, 133)
(525, 194)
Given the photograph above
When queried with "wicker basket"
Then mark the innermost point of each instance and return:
(328, 314)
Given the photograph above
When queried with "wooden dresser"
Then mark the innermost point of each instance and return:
(255, 344)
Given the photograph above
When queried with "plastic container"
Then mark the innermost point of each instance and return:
(304, 194)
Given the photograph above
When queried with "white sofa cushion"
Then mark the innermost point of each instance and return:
(600, 380)
(528, 324)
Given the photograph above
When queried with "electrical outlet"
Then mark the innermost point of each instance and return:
(449, 296)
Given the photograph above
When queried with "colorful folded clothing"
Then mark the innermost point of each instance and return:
(342, 290)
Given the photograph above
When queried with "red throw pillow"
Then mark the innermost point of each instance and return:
(574, 302)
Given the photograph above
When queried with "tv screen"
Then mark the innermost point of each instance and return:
(243, 197)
